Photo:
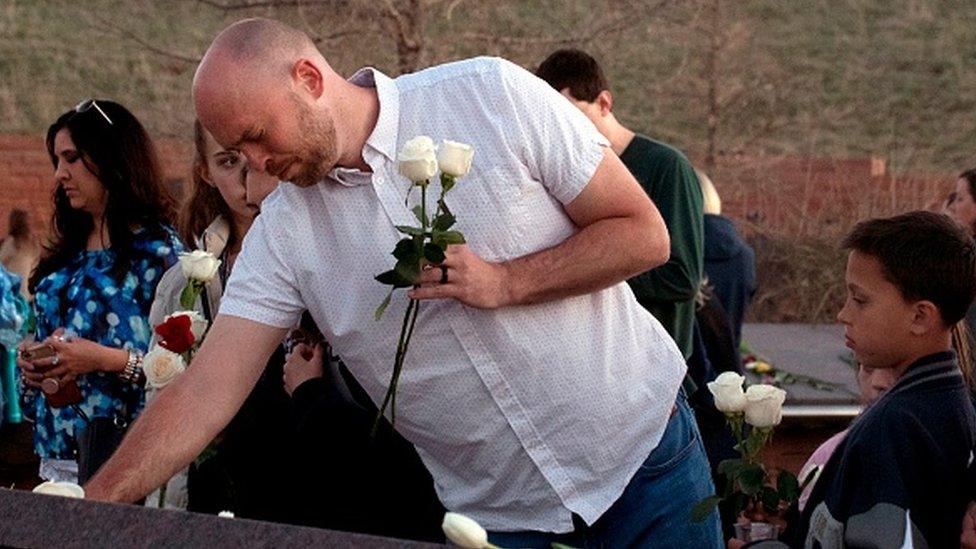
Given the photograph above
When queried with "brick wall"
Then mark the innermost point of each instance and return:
(27, 178)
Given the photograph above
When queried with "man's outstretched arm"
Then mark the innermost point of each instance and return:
(189, 413)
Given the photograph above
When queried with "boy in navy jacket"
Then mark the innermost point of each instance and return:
(902, 469)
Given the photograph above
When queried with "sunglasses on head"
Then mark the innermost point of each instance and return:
(87, 105)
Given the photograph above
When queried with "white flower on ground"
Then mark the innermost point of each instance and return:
(728, 393)
(161, 366)
(199, 265)
(417, 160)
(198, 324)
(63, 489)
(455, 158)
(464, 531)
(764, 405)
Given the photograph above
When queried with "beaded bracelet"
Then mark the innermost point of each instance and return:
(133, 367)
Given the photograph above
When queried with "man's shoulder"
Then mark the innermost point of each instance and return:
(463, 72)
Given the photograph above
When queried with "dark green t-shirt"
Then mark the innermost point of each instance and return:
(669, 291)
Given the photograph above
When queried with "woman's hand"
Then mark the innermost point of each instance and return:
(302, 364)
(74, 356)
(32, 377)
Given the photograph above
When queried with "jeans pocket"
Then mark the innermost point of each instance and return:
(678, 442)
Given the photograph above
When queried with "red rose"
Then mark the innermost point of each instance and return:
(175, 334)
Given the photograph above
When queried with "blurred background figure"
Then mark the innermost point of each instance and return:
(961, 206)
(730, 264)
(20, 249)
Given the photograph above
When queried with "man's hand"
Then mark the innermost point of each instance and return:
(469, 279)
(302, 364)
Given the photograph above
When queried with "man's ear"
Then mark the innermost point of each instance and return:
(605, 101)
(926, 318)
(308, 77)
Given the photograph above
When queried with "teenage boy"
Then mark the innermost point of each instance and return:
(668, 292)
(901, 470)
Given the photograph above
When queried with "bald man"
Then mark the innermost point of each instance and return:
(541, 396)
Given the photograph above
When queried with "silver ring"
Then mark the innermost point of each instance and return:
(56, 360)
(61, 338)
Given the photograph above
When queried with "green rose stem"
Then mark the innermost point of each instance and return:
(409, 321)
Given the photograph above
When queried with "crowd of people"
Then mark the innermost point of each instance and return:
(558, 395)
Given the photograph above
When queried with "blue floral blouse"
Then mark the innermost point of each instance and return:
(85, 298)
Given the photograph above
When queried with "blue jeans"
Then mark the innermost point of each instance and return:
(655, 507)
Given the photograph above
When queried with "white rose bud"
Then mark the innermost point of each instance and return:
(418, 159)
(199, 265)
(764, 405)
(455, 158)
(161, 366)
(464, 531)
(63, 489)
(198, 324)
(728, 393)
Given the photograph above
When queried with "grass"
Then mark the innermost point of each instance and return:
(814, 79)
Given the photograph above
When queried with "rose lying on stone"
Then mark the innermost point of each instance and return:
(464, 531)
(63, 489)
(161, 367)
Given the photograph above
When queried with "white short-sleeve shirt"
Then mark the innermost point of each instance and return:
(524, 415)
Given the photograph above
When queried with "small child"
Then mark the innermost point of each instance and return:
(902, 468)
(872, 383)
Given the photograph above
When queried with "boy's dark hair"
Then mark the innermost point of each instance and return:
(925, 255)
(576, 70)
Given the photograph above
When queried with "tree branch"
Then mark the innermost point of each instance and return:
(246, 4)
(142, 42)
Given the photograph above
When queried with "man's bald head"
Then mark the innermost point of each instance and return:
(260, 41)
(253, 51)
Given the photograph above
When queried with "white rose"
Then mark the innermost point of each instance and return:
(64, 489)
(728, 393)
(455, 158)
(418, 159)
(199, 265)
(764, 405)
(198, 324)
(464, 531)
(161, 366)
